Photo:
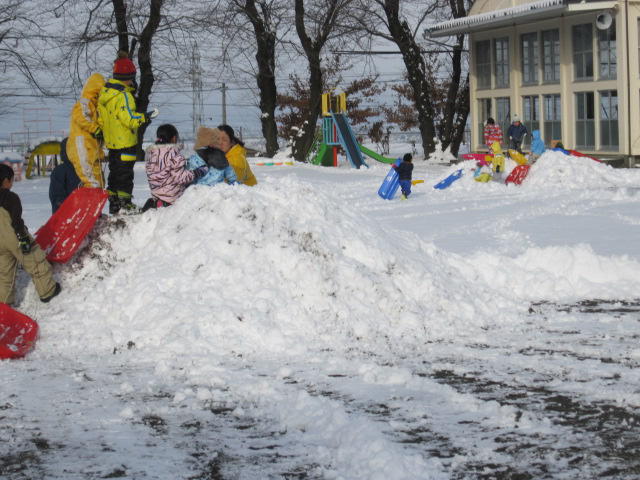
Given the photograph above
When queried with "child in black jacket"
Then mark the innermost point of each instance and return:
(405, 169)
(18, 247)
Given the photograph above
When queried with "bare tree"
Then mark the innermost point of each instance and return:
(265, 18)
(317, 22)
(20, 37)
(446, 107)
(456, 102)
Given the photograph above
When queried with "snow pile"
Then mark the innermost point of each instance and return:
(275, 268)
(282, 268)
(556, 169)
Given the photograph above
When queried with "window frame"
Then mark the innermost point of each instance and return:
(612, 66)
(506, 121)
(586, 54)
(586, 125)
(552, 123)
(612, 133)
(486, 84)
(502, 65)
(532, 60)
(554, 54)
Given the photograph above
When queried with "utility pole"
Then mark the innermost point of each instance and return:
(224, 103)
(196, 86)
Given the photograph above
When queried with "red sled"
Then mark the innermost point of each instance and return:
(476, 157)
(576, 153)
(518, 174)
(17, 333)
(62, 235)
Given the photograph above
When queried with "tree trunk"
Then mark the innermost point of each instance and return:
(457, 101)
(265, 56)
(120, 12)
(417, 71)
(304, 141)
(462, 113)
(144, 63)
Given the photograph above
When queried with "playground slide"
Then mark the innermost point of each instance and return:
(321, 157)
(376, 156)
(348, 140)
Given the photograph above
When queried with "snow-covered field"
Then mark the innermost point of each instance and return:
(307, 329)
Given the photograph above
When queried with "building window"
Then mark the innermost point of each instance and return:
(529, 44)
(531, 115)
(609, 120)
(583, 51)
(483, 64)
(501, 52)
(551, 56)
(607, 52)
(552, 118)
(484, 108)
(503, 113)
(585, 118)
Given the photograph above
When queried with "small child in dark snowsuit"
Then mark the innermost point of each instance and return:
(64, 179)
(405, 170)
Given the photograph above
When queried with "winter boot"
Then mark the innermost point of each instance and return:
(114, 204)
(56, 291)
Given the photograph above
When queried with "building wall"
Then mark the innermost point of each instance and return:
(485, 6)
(567, 87)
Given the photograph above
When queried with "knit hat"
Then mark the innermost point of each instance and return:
(207, 136)
(515, 118)
(123, 67)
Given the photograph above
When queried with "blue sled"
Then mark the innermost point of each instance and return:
(390, 183)
(449, 180)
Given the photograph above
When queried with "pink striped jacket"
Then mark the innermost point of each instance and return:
(166, 172)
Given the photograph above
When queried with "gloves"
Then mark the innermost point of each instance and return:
(98, 134)
(25, 244)
(152, 114)
(201, 172)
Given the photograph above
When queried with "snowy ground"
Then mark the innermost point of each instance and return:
(306, 329)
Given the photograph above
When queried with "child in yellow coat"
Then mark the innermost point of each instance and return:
(84, 147)
(236, 154)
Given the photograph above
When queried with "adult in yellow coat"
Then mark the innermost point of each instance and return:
(84, 148)
(236, 154)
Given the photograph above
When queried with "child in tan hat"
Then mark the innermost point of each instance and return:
(209, 154)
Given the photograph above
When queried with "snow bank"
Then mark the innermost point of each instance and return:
(280, 268)
(283, 268)
(557, 170)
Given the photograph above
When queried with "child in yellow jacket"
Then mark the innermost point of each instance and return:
(84, 148)
(120, 122)
(236, 154)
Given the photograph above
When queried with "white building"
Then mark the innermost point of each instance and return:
(569, 69)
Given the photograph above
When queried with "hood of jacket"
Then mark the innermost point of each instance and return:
(536, 134)
(92, 86)
(164, 146)
(213, 157)
(111, 90)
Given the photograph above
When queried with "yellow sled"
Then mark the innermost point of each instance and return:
(517, 157)
(483, 177)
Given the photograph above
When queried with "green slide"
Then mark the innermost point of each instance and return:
(376, 156)
(324, 156)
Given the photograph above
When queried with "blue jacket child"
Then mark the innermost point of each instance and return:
(219, 168)
(537, 145)
(64, 179)
(208, 154)
(405, 170)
